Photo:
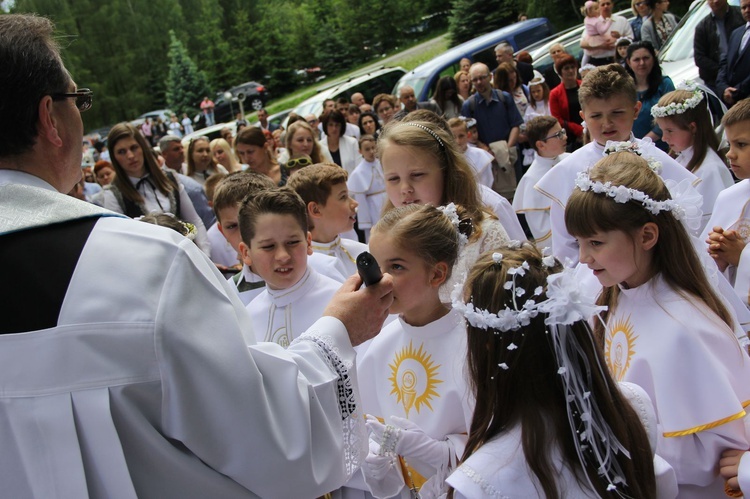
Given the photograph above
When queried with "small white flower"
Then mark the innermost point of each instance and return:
(508, 285)
(548, 261)
(512, 346)
(497, 257)
(503, 365)
(538, 291)
(520, 291)
(562, 370)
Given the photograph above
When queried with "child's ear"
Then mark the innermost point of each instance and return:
(649, 235)
(539, 145)
(245, 254)
(637, 109)
(693, 127)
(313, 210)
(439, 274)
(309, 243)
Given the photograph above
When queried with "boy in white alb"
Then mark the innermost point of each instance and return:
(609, 106)
(479, 159)
(330, 212)
(276, 243)
(226, 204)
(548, 139)
(367, 186)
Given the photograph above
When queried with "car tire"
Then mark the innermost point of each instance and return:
(256, 103)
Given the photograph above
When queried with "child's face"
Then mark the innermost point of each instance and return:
(537, 93)
(616, 257)
(622, 51)
(594, 10)
(415, 289)
(229, 226)
(278, 252)
(738, 136)
(461, 136)
(473, 136)
(411, 176)
(340, 211)
(610, 119)
(554, 145)
(220, 156)
(367, 150)
(678, 138)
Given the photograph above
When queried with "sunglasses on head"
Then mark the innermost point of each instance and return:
(83, 97)
(298, 163)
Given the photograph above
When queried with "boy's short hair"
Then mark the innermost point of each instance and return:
(458, 122)
(538, 128)
(237, 186)
(737, 113)
(283, 201)
(366, 138)
(606, 82)
(211, 182)
(314, 183)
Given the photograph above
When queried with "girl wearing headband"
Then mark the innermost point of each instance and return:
(665, 328)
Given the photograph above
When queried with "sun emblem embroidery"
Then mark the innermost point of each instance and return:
(742, 226)
(413, 378)
(619, 347)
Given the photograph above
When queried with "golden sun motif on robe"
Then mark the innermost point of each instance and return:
(619, 347)
(413, 378)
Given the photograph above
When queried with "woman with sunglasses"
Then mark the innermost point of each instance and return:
(300, 141)
(642, 12)
(344, 150)
(141, 187)
(257, 153)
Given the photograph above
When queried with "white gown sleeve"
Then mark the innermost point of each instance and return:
(276, 421)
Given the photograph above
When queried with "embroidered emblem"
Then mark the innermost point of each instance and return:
(414, 378)
(619, 347)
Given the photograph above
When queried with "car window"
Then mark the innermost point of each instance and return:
(680, 46)
(527, 37)
(487, 56)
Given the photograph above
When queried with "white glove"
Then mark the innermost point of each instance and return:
(382, 473)
(422, 452)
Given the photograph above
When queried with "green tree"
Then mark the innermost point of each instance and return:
(186, 85)
(471, 18)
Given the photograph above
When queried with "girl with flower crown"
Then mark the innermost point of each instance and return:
(665, 328)
(422, 164)
(411, 377)
(686, 127)
(549, 419)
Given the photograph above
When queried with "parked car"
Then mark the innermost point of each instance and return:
(212, 132)
(164, 114)
(369, 84)
(256, 96)
(423, 78)
(279, 118)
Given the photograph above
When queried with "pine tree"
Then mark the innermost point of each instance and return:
(471, 18)
(186, 84)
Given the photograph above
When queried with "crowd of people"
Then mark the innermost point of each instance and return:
(563, 310)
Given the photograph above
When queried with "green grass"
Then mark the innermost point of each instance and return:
(408, 62)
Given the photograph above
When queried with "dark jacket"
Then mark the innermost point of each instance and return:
(706, 44)
(734, 68)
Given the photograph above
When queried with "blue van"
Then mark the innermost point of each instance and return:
(423, 78)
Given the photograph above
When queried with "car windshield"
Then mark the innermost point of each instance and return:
(680, 46)
(414, 82)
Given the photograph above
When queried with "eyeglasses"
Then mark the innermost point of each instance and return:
(83, 97)
(559, 135)
(480, 78)
(300, 162)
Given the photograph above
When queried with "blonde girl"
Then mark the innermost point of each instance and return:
(686, 126)
(301, 141)
(665, 328)
(422, 165)
(411, 376)
(532, 379)
(224, 156)
(200, 161)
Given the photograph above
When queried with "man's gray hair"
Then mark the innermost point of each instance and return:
(505, 46)
(166, 140)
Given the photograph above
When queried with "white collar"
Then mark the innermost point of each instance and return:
(21, 177)
(685, 156)
(283, 297)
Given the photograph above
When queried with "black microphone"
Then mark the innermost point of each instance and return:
(368, 269)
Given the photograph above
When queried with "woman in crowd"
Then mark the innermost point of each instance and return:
(301, 141)
(104, 172)
(343, 150)
(369, 124)
(651, 84)
(224, 156)
(257, 153)
(508, 79)
(200, 163)
(642, 12)
(140, 187)
(386, 106)
(463, 81)
(447, 98)
(660, 25)
(563, 100)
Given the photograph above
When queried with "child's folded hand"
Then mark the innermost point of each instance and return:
(729, 467)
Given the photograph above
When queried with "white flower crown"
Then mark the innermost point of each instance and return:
(451, 212)
(677, 107)
(613, 146)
